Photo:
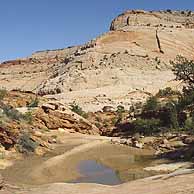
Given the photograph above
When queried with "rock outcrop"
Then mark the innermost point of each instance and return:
(132, 57)
(175, 185)
(56, 116)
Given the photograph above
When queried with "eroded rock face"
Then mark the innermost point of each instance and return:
(167, 19)
(133, 56)
(56, 116)
(8, 138)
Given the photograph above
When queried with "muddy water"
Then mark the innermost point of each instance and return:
(105, 164)
(93, 172)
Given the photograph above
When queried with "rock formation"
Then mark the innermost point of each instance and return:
(132, 57)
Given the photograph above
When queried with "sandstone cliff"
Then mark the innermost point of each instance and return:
(123, 65)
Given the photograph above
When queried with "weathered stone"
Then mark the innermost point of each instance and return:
(108, 109)
(56, 119)
(137, 144)
(89, 72)
(48, 106)
(189, 140)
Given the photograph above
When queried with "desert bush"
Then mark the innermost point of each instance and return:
(146, 126)
(114, 120)
(117, 120)
(11, 112)
(28, 117)
(26, 144)
(189, 124)
(77, 109)
(33, 103)
(185, 100)
(98, 119)
(98, 125)
(105, 123)
(167, 92)
(3, 93)
(173, 115)
(120, 109)
(151, 104)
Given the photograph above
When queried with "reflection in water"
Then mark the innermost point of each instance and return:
(93, 172)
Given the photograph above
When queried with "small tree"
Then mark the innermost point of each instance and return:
(33, 103)
(184, 70)
(151, 104)
(173, 115)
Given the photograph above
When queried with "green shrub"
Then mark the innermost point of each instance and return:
(114, 121)
(183, 69)
(77, 109)
(117, 120)
(120, 109)
(28, 117)
(33, 103)
(166, 92)
(3, 93)
(105, 123)
(185, 100)
(98, 119)
(151, 104)
(98, 125)
(146, 126)
(12, 113)
(173, 115)
(189, 124)
(26, 144)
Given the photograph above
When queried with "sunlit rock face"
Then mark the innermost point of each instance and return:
(126, 63)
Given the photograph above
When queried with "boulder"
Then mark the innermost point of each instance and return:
(108, 109)
(47, 107)
(177, 144)
(189, 140)
(137, 144)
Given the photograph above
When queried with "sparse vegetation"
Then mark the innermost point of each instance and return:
(120, 109)
(146, 126)
(151, 104)
(173, 115)
(33, 103)
(11, 112)
(167, 92)
(105, 123)
(28, 117)
(3, 93)
(26, 144)
(98, 125)
(77, 109)
(184, 70)
(189, 125)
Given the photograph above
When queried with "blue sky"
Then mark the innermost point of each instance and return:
(30, 25)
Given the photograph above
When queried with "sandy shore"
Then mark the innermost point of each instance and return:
(176, 185)
(61, 164)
